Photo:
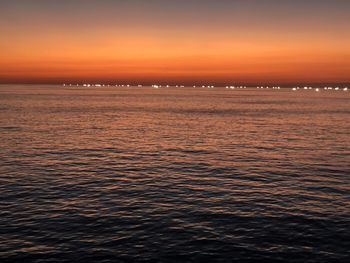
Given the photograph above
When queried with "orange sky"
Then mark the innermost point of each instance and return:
(48, 45)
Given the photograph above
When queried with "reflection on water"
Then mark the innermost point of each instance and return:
(170, 175)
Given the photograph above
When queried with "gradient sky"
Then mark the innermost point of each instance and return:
(183, 41)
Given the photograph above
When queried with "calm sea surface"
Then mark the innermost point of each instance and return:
(174, 175)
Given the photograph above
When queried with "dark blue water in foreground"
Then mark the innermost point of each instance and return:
(173, 175)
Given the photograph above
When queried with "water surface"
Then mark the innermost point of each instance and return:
(173, 175)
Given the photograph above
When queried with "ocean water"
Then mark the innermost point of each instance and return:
(173, 175)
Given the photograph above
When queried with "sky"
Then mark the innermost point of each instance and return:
(175, 42)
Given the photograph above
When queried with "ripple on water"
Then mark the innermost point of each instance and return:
(163, 176)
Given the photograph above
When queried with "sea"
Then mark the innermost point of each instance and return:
(138, 174)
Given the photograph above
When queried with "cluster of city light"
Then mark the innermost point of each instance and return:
(319, 89)
(157, 86)
(182, 86)
(166, 86)
(98, 85)
(236, 87)
(123, 85)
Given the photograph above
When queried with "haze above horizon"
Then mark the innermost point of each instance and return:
(183, 42)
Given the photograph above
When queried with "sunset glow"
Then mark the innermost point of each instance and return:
(191, 41)
(174, 131)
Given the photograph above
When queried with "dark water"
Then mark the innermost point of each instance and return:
(176, 175)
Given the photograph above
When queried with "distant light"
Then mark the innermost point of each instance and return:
(317, 89)
(345, 89)
(294, 89)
